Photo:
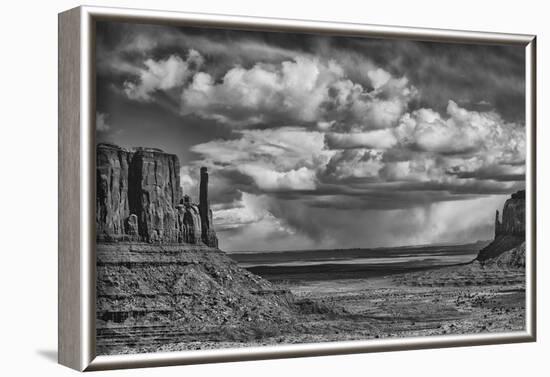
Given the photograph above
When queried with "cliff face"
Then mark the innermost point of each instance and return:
(513, 216)
(510, 232)
(154, 192)
(112, 204)
(208, 235)
(139, 198)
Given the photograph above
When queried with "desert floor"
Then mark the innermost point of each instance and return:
(450, 300)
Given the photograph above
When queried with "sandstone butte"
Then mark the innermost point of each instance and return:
(508, 246)
(139, 199)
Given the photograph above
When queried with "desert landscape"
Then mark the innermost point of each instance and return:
(164, 285)
(264, 188)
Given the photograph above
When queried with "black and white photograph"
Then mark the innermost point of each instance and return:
(263, 188)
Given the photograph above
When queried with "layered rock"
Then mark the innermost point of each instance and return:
(153, 295)
(510, 231)
(139, 198)
(112, 204)
(189, 223)
(154, 192)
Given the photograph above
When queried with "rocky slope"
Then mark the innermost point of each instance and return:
(509, 242)
(139, 198)
(513, 258)
(161, 289)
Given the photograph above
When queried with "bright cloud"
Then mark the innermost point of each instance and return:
(304, 90)
(296, 88)
(248, 209)
(355, 163)
(466, 152)
(285, 158)
(378, 77)
(463, 132)
(163, 74)
(268, 179)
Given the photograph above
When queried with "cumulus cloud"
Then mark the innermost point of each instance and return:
(303, 90)
(164, 74)
(415, 156)
(378, 77)
(286, 158)
(296, 88)
(268, 179)
(383, 107)
(484, 134)
(358, 163)
(458, 149)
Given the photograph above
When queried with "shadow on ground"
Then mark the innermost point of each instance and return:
(50, 355)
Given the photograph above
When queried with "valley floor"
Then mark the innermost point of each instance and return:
(464, 299)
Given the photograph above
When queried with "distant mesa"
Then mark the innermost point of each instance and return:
(509, 233)
(139, 199)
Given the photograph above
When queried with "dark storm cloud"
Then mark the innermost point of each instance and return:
(500, 173)
(479, 77)
(360, 194)
(313, 140)
(310, 227)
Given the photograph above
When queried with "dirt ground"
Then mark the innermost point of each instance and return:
(452, 300)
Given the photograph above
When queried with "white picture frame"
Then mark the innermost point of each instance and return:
(77, 189)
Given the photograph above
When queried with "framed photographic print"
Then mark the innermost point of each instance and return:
(235, 188)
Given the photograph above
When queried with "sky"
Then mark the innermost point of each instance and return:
(315, 141)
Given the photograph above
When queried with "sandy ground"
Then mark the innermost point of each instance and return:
(451, 300)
